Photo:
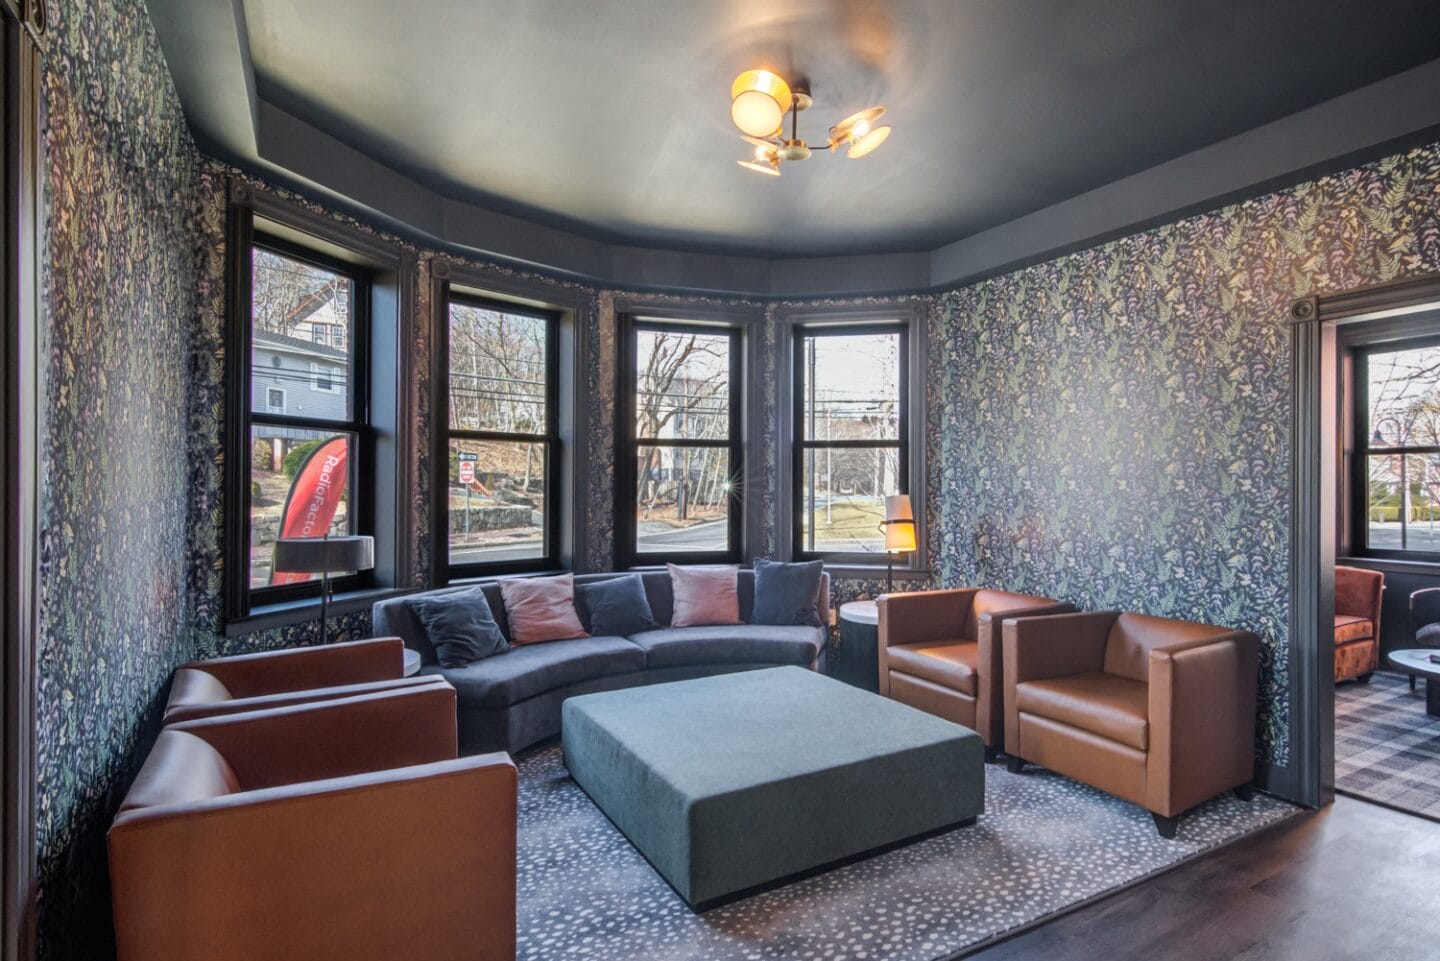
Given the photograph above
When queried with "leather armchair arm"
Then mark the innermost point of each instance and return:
(176, 713)
(411, 863)
(304, 668)
(328, 739)
(1055, 645)
(923, 615)
(990, 656)
(1202, 696)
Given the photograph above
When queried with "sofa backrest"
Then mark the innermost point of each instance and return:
(1134, 636)
(393, 616)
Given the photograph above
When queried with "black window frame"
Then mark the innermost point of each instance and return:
(361, 462)
(628, 444)
(1358, 494)
(550, 437)
(800, 444)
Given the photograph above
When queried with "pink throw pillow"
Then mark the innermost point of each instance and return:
(541, 608)
(705, 594)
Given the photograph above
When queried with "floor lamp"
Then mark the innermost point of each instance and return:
(899, 527)
(321, 555)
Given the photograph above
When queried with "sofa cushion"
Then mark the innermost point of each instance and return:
(1104, 704)
(705, 594)
(1350, 628)
(785, 593)
(947, 663)
(733, 644)
(459, 626)
(617, 606)
(541, 608)
(527, 670)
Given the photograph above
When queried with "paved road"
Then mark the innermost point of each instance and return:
(1422, 536)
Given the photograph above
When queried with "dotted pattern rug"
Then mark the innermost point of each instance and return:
(1387, 749)
(1043, 845)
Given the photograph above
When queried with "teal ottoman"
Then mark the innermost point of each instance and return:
(733, 783)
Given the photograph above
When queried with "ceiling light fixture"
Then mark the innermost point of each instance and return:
(759, 101)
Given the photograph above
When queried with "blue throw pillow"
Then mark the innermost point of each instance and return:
(616, 606)
(460, 626)
(785, 593)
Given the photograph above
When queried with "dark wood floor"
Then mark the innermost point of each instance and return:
(1353, 881)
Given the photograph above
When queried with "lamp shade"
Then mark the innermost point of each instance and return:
(759, 101)
(899, 524)
(325, 555)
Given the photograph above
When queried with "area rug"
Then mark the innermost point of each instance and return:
(1044, 845)
(1387, 749)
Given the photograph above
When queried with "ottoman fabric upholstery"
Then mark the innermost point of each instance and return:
(732, 782)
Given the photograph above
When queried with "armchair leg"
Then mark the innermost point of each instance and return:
(992, 755)
(1245, 792)
(1014, 764)
(1365, 678)
(1166, 826)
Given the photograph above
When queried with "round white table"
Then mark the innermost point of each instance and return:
(1417, 663)
(412, 662)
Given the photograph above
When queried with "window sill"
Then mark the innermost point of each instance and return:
(852, 572)
(1391, 565)
(298, 612)
(492, 578)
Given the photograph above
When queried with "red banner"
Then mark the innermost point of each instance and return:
(314, 497)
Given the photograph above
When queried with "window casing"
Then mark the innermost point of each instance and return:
(851, 442)
(680, 452)
(294, 406)
(502, 513)
(1394, 488)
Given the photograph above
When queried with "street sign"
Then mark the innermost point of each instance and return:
(467, 471)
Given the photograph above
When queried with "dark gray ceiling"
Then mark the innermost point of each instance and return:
(612, 117)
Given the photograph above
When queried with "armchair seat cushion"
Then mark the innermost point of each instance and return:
(737, 644)
(526, 670)
(1105, 704)
(949, 663)
(1349, 628)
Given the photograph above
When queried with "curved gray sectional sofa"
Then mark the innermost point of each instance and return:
(512, 700)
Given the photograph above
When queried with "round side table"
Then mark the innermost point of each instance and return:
(856, 659)
(1418, 663)
(412, 663)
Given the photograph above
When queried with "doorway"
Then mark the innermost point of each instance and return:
(1366, 590)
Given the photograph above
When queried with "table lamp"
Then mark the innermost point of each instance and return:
(899, 527)
(321, 555)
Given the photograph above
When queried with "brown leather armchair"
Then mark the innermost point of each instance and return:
(940, 652)
(343, 829)
(251, 682)
(1156, 711)
(1358, 594)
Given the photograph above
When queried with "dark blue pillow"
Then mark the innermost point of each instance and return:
(785, 593)
(616, 606)
(460, 626)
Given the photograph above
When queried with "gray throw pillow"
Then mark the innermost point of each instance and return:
(616, 606)
(785, 593)
(460, 626)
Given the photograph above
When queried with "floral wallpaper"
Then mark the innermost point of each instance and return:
(119, 296)
(1110, 427)
(1114, 425)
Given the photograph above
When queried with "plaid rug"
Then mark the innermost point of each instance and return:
(1387, 749)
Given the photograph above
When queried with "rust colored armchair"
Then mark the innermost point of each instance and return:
(343, 829)
(940, 652)
(1156, 711)
(251, 682)
(1358, 594)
